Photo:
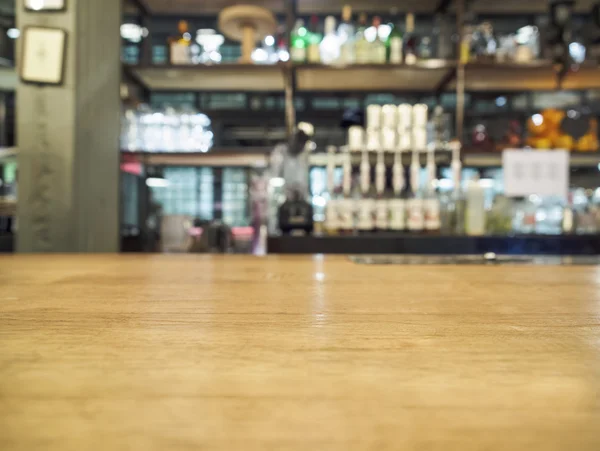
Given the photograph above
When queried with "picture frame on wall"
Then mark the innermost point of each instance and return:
(43, 55)
(45, 5)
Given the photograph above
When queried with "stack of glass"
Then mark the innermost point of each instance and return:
(165, 130)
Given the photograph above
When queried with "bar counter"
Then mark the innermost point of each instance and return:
(158, 352)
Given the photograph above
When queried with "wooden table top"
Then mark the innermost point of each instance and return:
(296, 353)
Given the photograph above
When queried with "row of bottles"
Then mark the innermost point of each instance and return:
(366, 205)
(350, 44)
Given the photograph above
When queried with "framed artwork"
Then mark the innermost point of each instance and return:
(43, 55)
(45, 5)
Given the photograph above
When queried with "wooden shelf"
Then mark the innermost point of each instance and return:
(426, 75)
(534, 76)
(429, 75)
(442, 158)
(8, 153)
(494, 159)
(226, 157)
(469, 159)
(221, 77)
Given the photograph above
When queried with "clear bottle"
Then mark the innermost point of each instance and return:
(179, 45)
(425, 50)
(330, 45)
(378, 50)
(398, 204)
(299, 43)
(313, 53)
(475, 214)
(362, 45)
(569, 216)
(414, 203)
(431, 203)
(366, 207)
(395, 45)
(382, 210)
(347, 204)
(410, 40)
(347, 35)
(332, 208)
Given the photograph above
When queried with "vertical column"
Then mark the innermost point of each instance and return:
(68, 136)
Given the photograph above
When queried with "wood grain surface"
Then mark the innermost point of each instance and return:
(296, 353)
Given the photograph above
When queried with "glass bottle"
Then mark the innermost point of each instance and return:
(346, 204)
(330, 45)
(299, 43)
(365, 209)
(431, 203)
(410, 40)
(425, 50)
(382, 210)
(378, 50)
(414, 203)
(331, 210)
(362, 45)
(313, 53)
(465, 45)
(346, 36)
(395, 44)
(475, 214)
(398, 204)
(179, 45)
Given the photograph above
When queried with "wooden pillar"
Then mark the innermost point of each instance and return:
(68, 136)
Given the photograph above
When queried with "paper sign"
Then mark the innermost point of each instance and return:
(45, 5)
(43, 55)
(545, 173)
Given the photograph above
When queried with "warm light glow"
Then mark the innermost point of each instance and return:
(36, 5)
(384, 31)
(319, 201)
(13, 33)
(132, 32)
(283, 55)
(371, 34)
(277, 182)
(486, 183)
(155, 182)
(260, 55)
(537, 119)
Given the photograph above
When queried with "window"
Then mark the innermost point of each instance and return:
(235, 197)
(189, 192)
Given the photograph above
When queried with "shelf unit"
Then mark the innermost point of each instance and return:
(434, 76)
(469, 159)
(220, 157)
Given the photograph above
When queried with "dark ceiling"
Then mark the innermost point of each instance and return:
(211, 7)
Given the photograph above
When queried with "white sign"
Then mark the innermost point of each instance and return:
(545, 173)
(45, 5)
(43, 55)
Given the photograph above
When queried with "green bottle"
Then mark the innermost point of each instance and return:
(361, 45)
(313, 52)
(299, 43)
(395, 44)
